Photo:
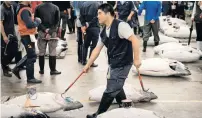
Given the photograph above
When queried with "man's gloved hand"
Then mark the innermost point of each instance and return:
(38, 20)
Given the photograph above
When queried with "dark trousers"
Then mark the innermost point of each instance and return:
(71, 24)
(91, 39)
(30, 58)
(115, 80)
(80, 44)
(9, 52)
(147, 30)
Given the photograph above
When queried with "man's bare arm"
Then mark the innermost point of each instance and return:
(136, 48)
(131, 14)
(5, 38)
(2, 30)
(69, 11)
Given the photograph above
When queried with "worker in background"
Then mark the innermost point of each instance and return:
(9, 42)
(27, 25)
(65, 15)
(181, 9)
(197, 18)
(151, 21)
(90, 28)
(47, 34)
(77, 5)
(126, 11)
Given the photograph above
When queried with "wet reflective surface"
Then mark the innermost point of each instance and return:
(178, 97)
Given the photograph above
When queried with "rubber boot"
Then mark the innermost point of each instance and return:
(119, 97)
(156, 43)
(93, 65)
(105, 103)
(144, 46)
(6, 72)
(52, 65)
(84, 55)
(41, 64)
(63, 34)
(16, 69)
(79, 52)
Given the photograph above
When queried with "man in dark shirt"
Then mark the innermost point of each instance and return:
(126, 11)
(47, 33)
(65, 14)
(90, 27)
(9, 45)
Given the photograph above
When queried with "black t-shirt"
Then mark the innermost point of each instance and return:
(7, 16)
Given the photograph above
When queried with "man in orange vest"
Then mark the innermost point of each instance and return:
(27, 30)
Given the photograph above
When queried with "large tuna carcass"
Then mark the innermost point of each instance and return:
(61, 49)
(130, 113)
(177, 28)
(131, 93)
(163, 39)
(178, 52)
(47, 102)
(162, 67)
(16, 111)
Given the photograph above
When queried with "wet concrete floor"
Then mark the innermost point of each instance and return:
(179, 97)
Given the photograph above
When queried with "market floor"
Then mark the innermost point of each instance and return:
(178, 97)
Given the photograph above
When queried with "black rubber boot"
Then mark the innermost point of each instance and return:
(7, 68)
(63, 34)
(119, 97)
(144, 46)
(156, 43)
(16, 69)
(93, 65)
(79, 52)
(52, 65)
(105, 103)
(41, 64)
(7, 74)
(6, 71)
(84, 55)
